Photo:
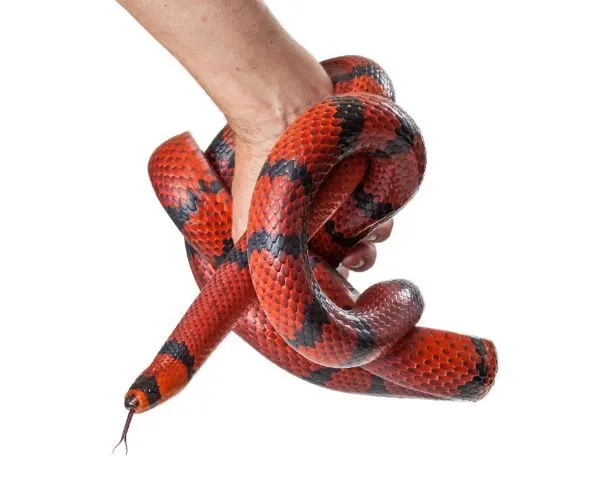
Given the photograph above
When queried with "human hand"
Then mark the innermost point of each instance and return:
(251, 152)
(256, 73)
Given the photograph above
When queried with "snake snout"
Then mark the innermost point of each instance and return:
(132, 402)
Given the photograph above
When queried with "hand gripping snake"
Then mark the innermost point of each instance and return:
(340, 169)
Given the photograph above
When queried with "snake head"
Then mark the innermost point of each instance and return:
(132, 401)
(143, 394)
(170, 372)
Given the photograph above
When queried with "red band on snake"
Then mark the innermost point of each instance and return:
(343, 167)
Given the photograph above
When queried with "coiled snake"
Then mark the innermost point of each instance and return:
(343, 167)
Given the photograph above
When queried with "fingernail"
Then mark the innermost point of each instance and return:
(372, 238)
(353, 263)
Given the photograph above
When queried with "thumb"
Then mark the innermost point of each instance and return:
(249, 161)
(242, 195)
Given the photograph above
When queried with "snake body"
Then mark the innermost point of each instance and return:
(346, 165)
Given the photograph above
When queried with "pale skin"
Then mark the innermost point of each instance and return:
(255, 72)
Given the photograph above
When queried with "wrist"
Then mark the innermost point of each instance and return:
(275, 93)
(269, 117)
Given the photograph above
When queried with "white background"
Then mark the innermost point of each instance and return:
(501, 239)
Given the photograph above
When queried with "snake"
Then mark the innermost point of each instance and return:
(342, 168)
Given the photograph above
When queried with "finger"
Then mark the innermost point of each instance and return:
(240, 216)
(361, 258)
(344, 271)
(381, 233)
(241, 190)
(248, 165)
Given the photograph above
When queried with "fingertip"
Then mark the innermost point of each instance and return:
(239, 224)
(381, 233)
(361, 258)
(237, 231)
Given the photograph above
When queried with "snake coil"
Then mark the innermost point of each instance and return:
(343, 167)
